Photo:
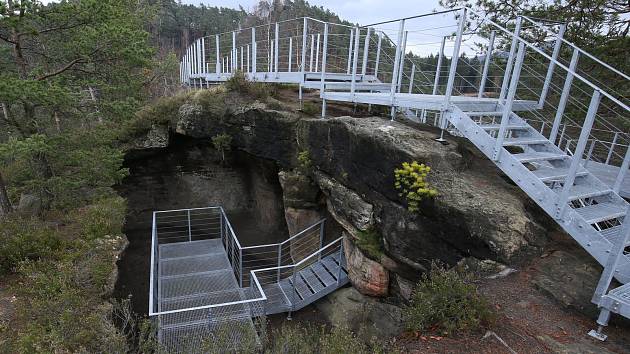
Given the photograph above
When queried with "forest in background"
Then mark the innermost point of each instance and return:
(73, 76)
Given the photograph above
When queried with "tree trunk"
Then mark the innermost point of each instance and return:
(5, 203)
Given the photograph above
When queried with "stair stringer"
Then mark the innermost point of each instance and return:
(571, 222)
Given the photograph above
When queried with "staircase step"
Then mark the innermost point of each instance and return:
(621, 294)
(601, 212)
(613, 234)
(311, 279)
(581, 191)
(300, 286)
(539, 156)
(509, 127)
(333, 266)
(547, 174)
(493, 113)
(527, 140)
(323, 274)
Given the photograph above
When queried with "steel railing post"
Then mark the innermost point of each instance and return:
(240, 266)
(355, 59)
(564, 97)
(321, 237)
(507, 107)
(576, 161)
(552, 65)
(277, 50)
(154, 248)
(590, 152)
(341, 255)
(486, 65)
(401, 30)
(401, 68)
(350, 49)
(323, 73)
(622, 172)
(189, 228)
(233, 67)
(279, 260)
(451, 74)
(436, 81)
(254, 51)
(249, 59)
(310, 65)
(303, 58)
(203, 55)
(294, 290)
(378, 53)
(411, 78)
(612, 148)
(510, 61)
(290, 53)
(317, 54)
(366, 48)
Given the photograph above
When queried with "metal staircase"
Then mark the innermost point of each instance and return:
(535, 104)
(210, 294)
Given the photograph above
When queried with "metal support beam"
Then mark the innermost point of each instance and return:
(452, 72)
(350, 48)
(233, 51)
(411, 78)
(290, 54)
(317, 55)
(254, 51)
(277, 49)
(402, 62)
(218, 57)
(304, 39)
(564, 97)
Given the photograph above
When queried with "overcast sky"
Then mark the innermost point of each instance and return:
(357, 11)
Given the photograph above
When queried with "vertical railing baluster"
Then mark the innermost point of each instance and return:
(218, 56)
(189, 228)
(378, 53)
(590, 152)
(240, 266)
(310, 65)
(576, 161)
(233, 67)
(350, 49)
(622, 172)
(507, 107)
(303, 58)
(411, 78)
(249, 59)
(279, 260)
(401, 68)
(552, 65)
(486, 65)
(564, 97)
(254, 51)
(321, 237)
(366, 48)
(612, 147)
(510, 61)
(355, 59)
(277, 50)
(317, 54)
(401, 30)
(323, 74)
(290, 53)
(341, 257)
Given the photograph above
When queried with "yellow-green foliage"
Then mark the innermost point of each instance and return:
(304, 160)
(412, 184)
(447, 300)
(371, 243)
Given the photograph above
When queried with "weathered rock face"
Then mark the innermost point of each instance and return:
(348, 308)
(570, 279)
(477, 213)
(367, 276)
(29, 205)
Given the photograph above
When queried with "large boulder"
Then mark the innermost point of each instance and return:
(30, 205)
(350, 309)
(368, 276)
(345, 204)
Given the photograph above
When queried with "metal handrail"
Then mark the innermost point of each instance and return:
(599, 61)
(287, 240)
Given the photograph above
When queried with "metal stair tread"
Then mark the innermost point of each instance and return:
(600, 212)
(323, 274)
(524, 140)
(581, 191)
(481, 113)
(311, 279)
(613, 234)
(509, 126)
(300, 286)
(621, 293)
(539, 156)
(555, 173)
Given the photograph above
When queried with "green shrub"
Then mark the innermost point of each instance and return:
(410, 180)
(222, 142)
(310, 108)
(104, 217)
(23, 239)
(370, 242)
(304, 161)
(448, 301)
(240, 84)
